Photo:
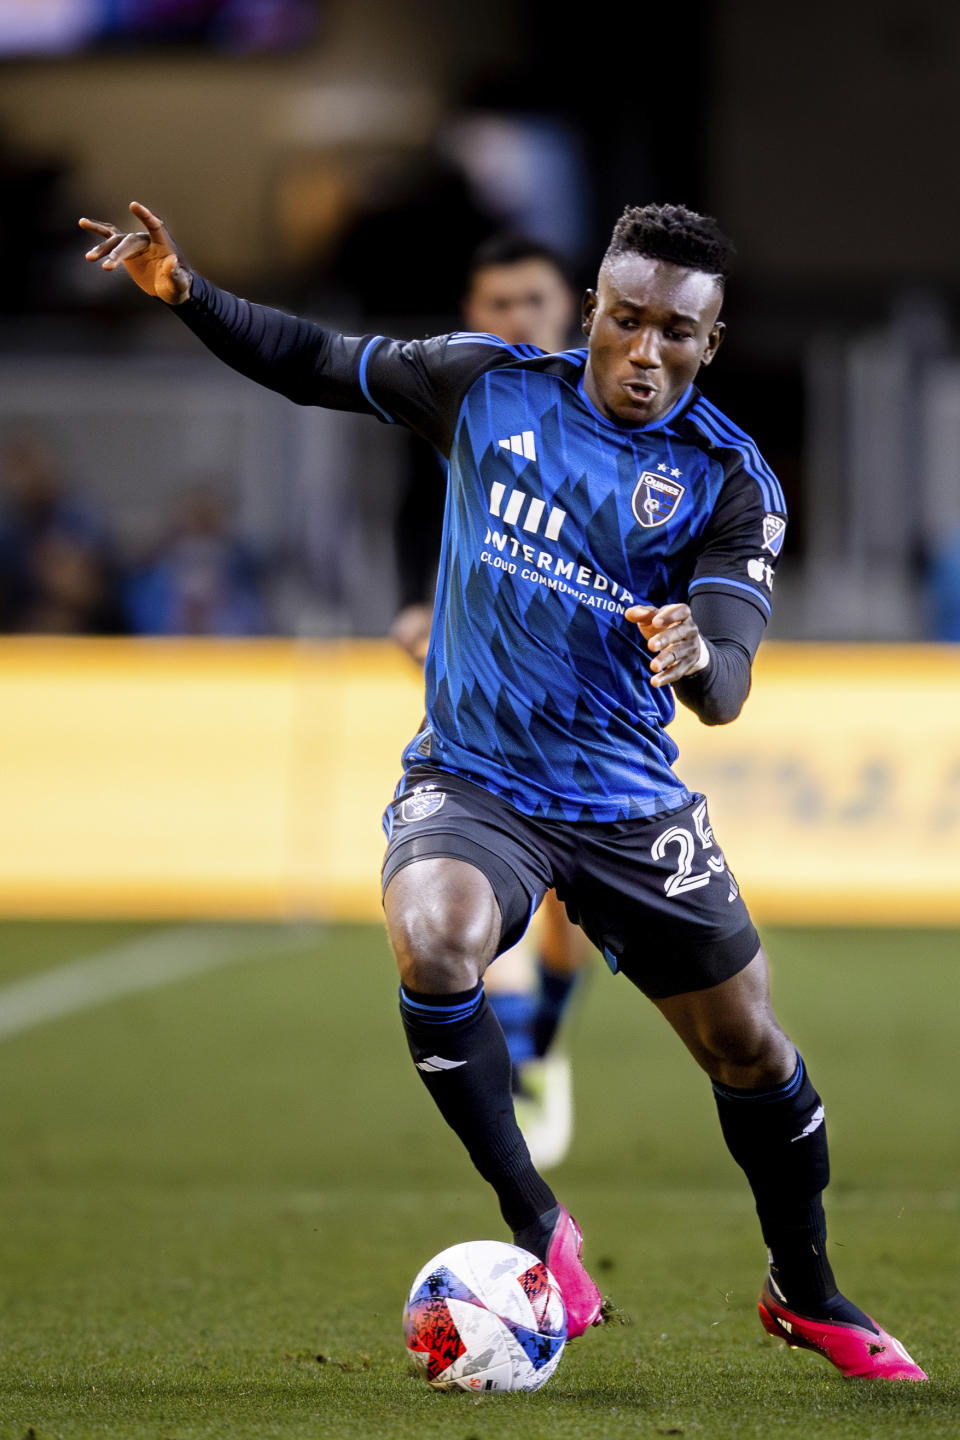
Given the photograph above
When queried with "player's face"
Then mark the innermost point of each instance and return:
(651, 325)
(527, 302)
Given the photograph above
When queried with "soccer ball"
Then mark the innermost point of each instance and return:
(485, 1316)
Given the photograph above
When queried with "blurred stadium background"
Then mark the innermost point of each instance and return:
(343, 160)
(200, 716)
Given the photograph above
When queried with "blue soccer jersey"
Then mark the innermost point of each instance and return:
(557, 520)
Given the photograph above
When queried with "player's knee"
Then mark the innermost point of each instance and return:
(443, 920)
(747, 1052)
(441, 947)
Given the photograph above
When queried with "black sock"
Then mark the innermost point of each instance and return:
(458, 1047)
(555, 987)
(779, 1139)
(536, 1236)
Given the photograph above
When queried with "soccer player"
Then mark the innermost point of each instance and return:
(609, 541)
(516, 290)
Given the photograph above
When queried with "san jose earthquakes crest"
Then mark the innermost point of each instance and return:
(655, 499)
(424, 801)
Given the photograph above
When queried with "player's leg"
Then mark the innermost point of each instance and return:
(444, 924)
(447, 915)
(773, 1122)
(561, 955)
(511, 991)
(771, 1117)
(664, 909)
(543, 1075)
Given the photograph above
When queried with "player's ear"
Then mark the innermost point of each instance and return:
(588, 310)
(713, 342)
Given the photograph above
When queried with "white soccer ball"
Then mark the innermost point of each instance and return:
(485, 1316)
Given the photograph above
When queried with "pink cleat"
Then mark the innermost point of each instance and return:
(857, 1352)
(580, 1295)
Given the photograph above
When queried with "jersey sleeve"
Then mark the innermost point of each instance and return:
(741, 543)
(418, 383)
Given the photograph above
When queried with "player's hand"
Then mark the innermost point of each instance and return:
(149, 255)
(411, 630)
(673, 638)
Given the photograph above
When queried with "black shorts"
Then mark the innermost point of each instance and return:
(655, 896)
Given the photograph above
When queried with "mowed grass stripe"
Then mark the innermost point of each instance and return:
(160, 957)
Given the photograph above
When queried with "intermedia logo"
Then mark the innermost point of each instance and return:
(509, 513)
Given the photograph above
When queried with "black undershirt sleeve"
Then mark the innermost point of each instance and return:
(416, 383)
(733, 629)
(295, 357)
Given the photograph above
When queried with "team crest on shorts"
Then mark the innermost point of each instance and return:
(423, 802)
(655, 499)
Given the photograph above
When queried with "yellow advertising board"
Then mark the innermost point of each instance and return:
(247, 778)
(178, 778)
(837, 793)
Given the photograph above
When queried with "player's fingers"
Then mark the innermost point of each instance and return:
(104, 248)
(678, 660)
(674, 667)
(677, 635)
(670, 659)
(670, 615)
(129, 246)
(640, 614)
(153, 222)
(99, 227)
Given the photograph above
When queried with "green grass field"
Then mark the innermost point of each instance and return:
(216, 1191)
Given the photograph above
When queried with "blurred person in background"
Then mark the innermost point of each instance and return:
(57, 569)
(517, 289)
(942, 584)
(202, 580)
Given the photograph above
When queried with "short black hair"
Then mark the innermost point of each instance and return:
(673, 233)
(511, 248)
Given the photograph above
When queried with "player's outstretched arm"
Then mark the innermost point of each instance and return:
(149, 255)
(295, 357)
(276, 350)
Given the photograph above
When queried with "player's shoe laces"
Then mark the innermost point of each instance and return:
(857, 1352)
(559, 1248)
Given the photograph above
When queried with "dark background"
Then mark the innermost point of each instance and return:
(317, 162)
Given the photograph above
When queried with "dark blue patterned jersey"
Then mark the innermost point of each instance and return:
(557, 520)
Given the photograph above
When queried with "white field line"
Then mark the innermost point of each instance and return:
(158, 958)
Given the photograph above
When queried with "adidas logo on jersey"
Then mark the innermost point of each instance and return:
(510, 512)
(521, 444)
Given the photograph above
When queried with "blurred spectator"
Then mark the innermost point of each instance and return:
(203, 580)
(57, 574)
(943, 586)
